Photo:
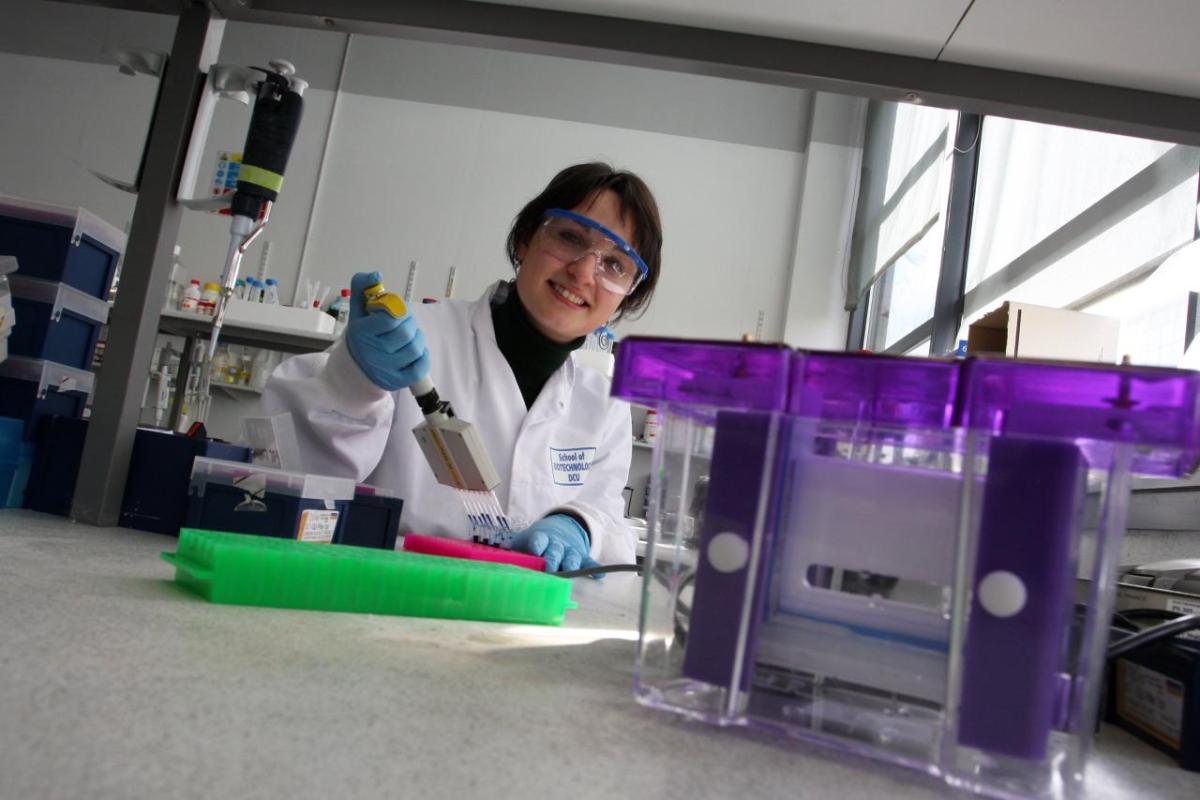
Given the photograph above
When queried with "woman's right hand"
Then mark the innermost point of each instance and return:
(391, 352)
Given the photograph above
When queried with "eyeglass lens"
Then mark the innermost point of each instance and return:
(570, 241)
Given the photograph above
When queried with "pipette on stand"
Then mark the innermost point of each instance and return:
(278, 107)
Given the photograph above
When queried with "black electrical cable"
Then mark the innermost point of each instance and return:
(1149, 635)
(585, 573)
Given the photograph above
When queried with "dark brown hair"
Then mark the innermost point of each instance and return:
(572, 187)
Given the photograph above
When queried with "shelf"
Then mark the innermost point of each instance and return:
(235, 389)
(643, 445)
(185, 323)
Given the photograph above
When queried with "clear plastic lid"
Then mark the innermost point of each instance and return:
(255, 478)
(722, 374)
(48, 375)
(79, 220)
(60, 296)
(366, 490)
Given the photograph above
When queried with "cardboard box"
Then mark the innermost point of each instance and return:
(1022, 330)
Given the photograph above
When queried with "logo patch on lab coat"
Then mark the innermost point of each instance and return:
(570, 465)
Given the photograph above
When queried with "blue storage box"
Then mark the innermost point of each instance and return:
(55, 322)
(160, 471)
(60, 243)
(55, 464)
(374, 519)
(16, 459)
(32, 388)
(249, 498)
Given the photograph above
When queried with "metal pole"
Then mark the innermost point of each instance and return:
(948, 303)
(147, 266)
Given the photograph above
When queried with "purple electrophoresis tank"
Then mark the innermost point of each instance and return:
(965, 478)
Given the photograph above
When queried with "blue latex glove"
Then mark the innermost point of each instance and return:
(559, 539)
(389, 351)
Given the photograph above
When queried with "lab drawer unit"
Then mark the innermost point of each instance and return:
(879, 554)
(58, 243)
(31, 389)
(55, 321)
(374, 519)
(160, 473)
(249, 498)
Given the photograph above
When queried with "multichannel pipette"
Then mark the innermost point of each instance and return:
(452, 446)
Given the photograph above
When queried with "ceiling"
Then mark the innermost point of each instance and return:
(1063, 62)
(1138, 44)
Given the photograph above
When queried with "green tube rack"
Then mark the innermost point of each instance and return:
(237, 569)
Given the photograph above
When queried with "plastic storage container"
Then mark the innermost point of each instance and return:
(879, 554)
(58, 323)
(248, 498)
(55, 467)
(160, 473)
(374, 519)
(250, 570)
(59, 243)
(31, 388)
(16, 460)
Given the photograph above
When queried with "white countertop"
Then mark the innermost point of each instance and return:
(115, 683)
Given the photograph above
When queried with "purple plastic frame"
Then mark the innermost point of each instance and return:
(1153, 410)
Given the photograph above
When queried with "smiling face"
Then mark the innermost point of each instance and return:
(563, 300)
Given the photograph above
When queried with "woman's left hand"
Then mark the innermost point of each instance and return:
(560, 540)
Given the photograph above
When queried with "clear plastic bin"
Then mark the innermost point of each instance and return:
(31, 388)
(880, 554)
(61, 243)
(57, 322)
(248, 498)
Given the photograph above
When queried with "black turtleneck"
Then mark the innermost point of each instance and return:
(532, 357)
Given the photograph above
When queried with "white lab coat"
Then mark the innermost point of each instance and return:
(570, 451)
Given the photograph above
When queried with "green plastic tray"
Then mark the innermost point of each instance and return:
(238, 569)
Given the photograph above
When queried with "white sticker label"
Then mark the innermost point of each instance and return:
(1151, 701)
(317, 526)
(1185, 607)
(570, 465)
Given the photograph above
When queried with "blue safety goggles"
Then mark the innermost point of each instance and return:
(571, 236)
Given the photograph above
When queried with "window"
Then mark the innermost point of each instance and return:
(1070, 219)
(1060, 217)
(900, 221)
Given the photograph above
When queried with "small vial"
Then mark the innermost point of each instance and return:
(174, 287)
(343, 312)
(271, 292)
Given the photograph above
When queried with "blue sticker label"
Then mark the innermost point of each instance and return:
(570, 465)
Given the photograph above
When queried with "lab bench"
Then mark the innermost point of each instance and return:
(118, 684)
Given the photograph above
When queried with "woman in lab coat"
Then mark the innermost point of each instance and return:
(585, 251)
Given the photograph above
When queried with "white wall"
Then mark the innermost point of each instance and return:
(728, 210)
(62, 115)
(817, 286)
